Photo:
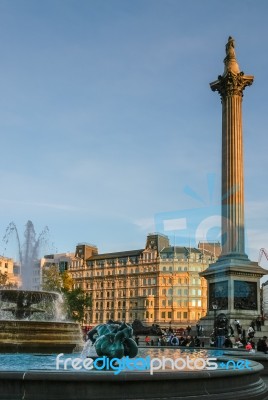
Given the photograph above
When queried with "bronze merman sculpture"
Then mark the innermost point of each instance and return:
(113, 339)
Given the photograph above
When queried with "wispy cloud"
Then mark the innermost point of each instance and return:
(64, 207)
(145, 224)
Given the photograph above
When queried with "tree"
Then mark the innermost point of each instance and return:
(77, 301)
(51, 279)
(67, 281)
(3, 279)
(4, 283)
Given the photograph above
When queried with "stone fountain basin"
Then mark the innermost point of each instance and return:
(52, 384)
(175, 385)
(39, 336)
(33, 297)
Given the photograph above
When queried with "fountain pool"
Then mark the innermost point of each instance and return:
(25, 376)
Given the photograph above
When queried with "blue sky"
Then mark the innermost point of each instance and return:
(108, 122)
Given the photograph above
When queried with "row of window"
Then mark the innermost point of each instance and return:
(119, 315)
(180, 315)
(164, 303)
(181, 292)
(194, 281)
(120, 261)
(152, 291)
(179, 268)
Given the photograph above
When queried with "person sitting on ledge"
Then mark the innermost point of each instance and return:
(262, 345)
(248, 346)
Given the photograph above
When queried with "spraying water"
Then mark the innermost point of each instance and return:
(28, 251)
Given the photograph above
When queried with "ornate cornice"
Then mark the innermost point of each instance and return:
(231, 84)
(224, 274)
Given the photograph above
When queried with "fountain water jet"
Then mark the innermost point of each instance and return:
(28, 252)
(30, 320)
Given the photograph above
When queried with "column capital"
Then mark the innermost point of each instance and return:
(231, 84)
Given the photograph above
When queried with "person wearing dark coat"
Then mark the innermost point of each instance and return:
(262, 345)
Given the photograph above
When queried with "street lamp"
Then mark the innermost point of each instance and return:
(215, 307)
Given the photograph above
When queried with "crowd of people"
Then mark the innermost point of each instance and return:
(235, 336)
(241, 338)
(173, 340)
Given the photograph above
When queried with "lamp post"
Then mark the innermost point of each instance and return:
(215, 307)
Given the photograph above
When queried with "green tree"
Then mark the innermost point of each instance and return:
(78, 301)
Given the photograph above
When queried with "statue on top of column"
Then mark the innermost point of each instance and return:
(230, 47)
(230, 62)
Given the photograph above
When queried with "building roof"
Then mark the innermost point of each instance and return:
(120, 254)
(180, 250)
(211, 247)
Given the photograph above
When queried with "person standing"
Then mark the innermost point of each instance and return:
(231, 330)
(188, 329)
(251, 332)
(258, 324)
(237, 325)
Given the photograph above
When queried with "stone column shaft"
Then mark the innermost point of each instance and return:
(230, 87)
(232, 176)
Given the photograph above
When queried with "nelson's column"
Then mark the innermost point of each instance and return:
(233, 281)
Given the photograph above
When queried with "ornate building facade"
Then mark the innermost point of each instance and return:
(157, 284)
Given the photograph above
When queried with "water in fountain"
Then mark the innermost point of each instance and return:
(28, 251)
(33, 320)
